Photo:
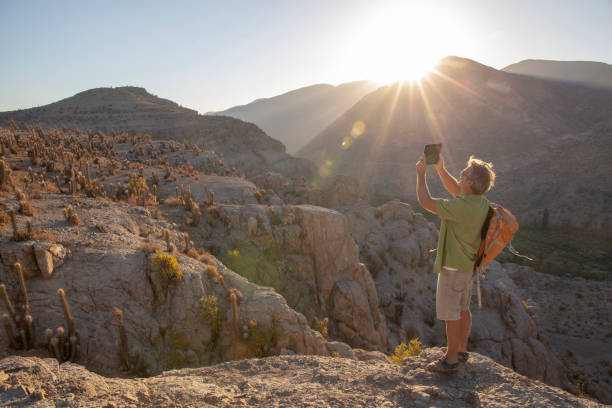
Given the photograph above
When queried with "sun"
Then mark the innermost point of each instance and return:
(404, 42)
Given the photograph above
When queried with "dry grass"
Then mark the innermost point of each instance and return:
(175, 201)
(192, 253)
(26, 208)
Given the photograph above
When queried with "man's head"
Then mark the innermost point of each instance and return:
(477, 178)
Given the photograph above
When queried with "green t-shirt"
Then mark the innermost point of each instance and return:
(462, 219)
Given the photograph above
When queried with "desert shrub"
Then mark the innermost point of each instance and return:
(402, 351)
(321, 327)
(192, 253)
(168, 267)
(257, 195)
(26, 208)
(210, 312)
(137, 190)
(175, 201)
(211, 271)
(263, 340)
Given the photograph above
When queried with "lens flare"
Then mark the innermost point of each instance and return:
(347, 142)
(358, 128)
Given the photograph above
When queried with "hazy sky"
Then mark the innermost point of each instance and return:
(210, 55)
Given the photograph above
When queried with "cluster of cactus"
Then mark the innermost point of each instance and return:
(210, 196)
(234, 295)
(71, 216)
(6, 182)
(169, 245)
(21, 336)
(64, 347)
(138, 191)
(191, 206)
(21, 235)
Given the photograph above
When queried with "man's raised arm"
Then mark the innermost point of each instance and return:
(423, 195)
(450, 183)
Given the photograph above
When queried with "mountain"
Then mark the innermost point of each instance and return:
(134, 110)
(549, 142)
(297, 116)
(590, 73)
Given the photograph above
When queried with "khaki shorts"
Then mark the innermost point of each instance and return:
(453, 293)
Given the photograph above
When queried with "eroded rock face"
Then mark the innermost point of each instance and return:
(307, 254)
(505, 330)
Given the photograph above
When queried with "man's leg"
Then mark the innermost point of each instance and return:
(466, 326)
(453, 339)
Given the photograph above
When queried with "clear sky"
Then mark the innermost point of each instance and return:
(211, 55)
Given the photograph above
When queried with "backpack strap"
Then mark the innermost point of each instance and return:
(478, 270)
(483, 236)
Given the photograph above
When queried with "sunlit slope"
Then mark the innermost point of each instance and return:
(589, 73)
(134, 110)
(549, 142)
(297, 116)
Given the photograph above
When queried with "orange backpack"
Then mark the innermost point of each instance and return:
(497, 232)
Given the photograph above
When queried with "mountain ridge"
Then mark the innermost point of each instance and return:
(296, 116)
(588, 73)
(522, 124)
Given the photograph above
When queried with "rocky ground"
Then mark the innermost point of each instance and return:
(577, 314)
(282, 381)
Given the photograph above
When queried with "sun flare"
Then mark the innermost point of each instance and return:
(405, 42)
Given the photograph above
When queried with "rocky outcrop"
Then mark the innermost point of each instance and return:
(308, 255)
(281, 381)
(508, 330)
(167, 324)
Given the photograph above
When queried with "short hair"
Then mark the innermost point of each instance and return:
(482, 176)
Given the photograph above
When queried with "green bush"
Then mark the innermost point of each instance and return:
(402, 351)
(168, 267)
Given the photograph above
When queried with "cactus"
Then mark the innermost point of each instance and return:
(122, 344)
(135, 364)
(64, 347)
(5, 175)
(49, 336)
(22, 337)
(222, 282)
(67, 313)
(234, 302)
(9, 331)
(55, 349)
(8, 303)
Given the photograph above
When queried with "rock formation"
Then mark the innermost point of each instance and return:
(282, 381)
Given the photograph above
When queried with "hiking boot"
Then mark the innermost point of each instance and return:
(442, 366)
(463, 356)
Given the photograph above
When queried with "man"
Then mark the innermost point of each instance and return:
(462, 218)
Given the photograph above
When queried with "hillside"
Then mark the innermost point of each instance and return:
(549, 142)
(297, 116)
(134, 110)
(589, 73)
